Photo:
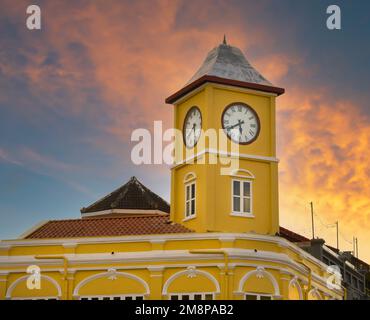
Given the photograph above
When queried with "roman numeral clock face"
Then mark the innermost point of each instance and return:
(240, 123)
(192, 127)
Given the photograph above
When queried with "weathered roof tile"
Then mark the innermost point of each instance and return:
(133, 195)
(108, 227)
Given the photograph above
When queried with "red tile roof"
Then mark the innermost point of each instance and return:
(292, 236)
(107, 227)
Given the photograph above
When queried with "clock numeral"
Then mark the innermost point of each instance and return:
(251, 118)
(253, 125)
(251, 132)
(240, 108)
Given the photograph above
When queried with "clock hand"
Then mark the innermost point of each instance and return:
(240, 127)
(191, 131)
(235, 125)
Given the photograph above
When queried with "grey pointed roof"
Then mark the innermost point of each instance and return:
(229, 62)
(226, 65)
(133, 195)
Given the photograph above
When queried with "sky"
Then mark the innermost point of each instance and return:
(72, 93)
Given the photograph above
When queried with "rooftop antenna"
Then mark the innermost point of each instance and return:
(312, 221)
(354, 246)
(337, 225)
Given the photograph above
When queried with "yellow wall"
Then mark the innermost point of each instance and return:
(158, 277)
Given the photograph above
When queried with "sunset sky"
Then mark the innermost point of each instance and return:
(71, 94)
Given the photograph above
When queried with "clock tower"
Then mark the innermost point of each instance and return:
(230, 97)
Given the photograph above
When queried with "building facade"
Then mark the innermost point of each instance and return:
(219, 238)
(354, 279)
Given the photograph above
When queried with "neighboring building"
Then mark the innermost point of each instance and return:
(220, 239)
(354, 272)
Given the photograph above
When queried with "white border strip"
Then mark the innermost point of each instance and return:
(224, 154)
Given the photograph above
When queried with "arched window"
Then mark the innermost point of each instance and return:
(259, 284)
(190, 195)
(50, 289)
(242, 193)
(295, 290)
(111, 285)
(191, 284)
(314, 294)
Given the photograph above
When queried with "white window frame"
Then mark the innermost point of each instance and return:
(191, 295)
(112, 297)
(258, 295)
(241, 213)
(189, 185)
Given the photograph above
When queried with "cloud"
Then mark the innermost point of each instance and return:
(6, 157)
(323, 147)
(45, 165)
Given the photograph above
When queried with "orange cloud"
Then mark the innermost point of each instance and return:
(324, 151)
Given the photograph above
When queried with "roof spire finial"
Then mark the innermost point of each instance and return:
(224, 42)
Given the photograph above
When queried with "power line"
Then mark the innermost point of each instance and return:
(327, 226)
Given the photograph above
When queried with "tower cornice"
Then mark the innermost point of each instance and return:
(218, 80)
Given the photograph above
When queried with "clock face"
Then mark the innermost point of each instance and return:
(192, 127)
(240, 123)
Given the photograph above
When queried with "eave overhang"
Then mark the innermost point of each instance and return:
(213, 79)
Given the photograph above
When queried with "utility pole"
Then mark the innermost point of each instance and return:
(354, 246)
(337, 223)
(313, 225)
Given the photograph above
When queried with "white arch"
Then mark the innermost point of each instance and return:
(194, 271)
(189, 177)
(315, 292)
(294, 283)
(260, 271)
(242, 173)
(24, 278)
(106, 275)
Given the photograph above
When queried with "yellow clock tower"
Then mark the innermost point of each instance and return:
(232, 186)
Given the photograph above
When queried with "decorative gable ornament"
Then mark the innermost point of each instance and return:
(191, 272)
(260, 272)
(112, 274)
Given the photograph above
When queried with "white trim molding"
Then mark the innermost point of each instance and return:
(224, 154)
(191, 272)
(260, 272)
(294, 283)
(123, 212)
(190, 176)
(24, 278)
(242, 173)
(111, 274)
(315, 292)
(11, 260)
